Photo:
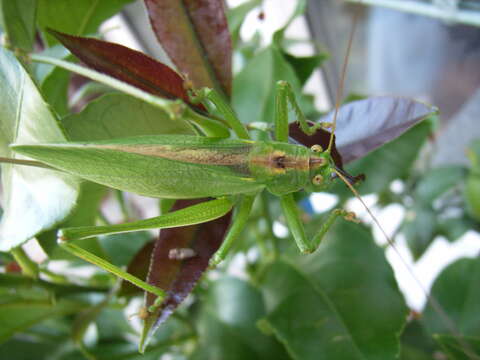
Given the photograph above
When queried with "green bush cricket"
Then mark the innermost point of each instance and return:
(233, 171)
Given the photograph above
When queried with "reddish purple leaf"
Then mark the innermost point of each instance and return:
(178, 276)
(364, 125)
(127, 65)
(195, 35)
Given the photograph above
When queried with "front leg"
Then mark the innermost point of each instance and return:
(223, 108)
(194, 214)
(295, 224)
(284, 97)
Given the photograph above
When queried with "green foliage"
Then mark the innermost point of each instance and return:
(342, 302)
(227, 323)
(325, 301)
(117, 115)
(77, 17)
(21, 32)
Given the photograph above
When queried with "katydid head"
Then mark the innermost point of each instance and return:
(322, 169)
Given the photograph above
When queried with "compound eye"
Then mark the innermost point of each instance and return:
(316, 148)
(317, 179)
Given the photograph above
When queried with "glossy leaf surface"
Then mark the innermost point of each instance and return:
(304, 66)
(340, 303)
(127, 65)
(419, 228)
(178, 276)
(456, 291)
(35, 199)
(19, 22)
(391, 161)
(257, 103)
(195, 35)
(117, 115)
(364, 125)
(54, 81)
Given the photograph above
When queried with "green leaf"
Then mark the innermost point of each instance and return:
(122, 248)
(54, 81)
(118, 115)
(254, 100)
(27, 287)
(77, 17)
(113, 323)
(19, 22)
(305, 66)
(341, 302)
(469, 349)
(472, 195)
(416, 344)
(456, 290)
(18, 315)
(55, 90)
(227, 324)
(35, 199)
(437, 181)
(419, 228)
(27, 349)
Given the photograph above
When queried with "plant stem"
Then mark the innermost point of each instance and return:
(123, 206)
(56, 278)
(29, 267)
(25, 162)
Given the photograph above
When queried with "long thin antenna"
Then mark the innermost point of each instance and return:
(34, 163)
(341, 85)
(431, 299)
